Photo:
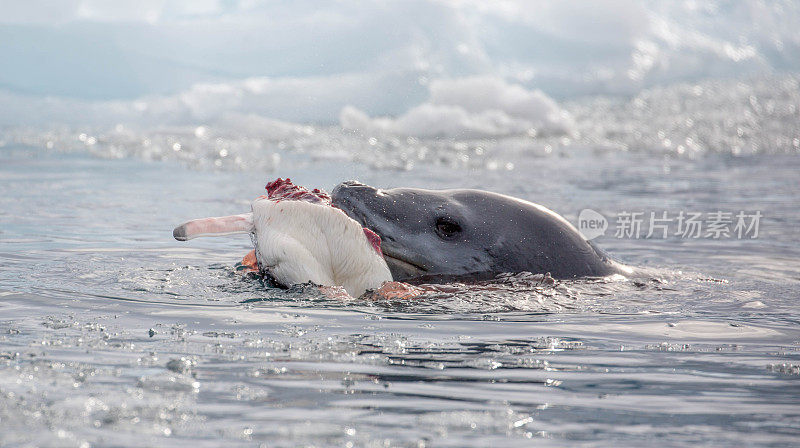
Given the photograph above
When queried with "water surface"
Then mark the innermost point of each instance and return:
(112, 333)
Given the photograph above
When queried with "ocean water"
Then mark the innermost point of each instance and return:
(115, 334)
(119, 123)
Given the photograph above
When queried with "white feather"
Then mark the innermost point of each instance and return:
(300, 241)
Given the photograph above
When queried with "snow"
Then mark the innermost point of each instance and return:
(423, 68)
(469, 107)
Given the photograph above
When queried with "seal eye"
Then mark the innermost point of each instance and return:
(447, 228)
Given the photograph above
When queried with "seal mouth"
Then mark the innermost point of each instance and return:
(402, 262)
(402, 269)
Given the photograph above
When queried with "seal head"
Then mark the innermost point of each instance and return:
(446, 234)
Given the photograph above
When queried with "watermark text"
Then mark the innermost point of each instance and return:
(663, 224)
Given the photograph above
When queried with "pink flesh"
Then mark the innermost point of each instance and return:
(374, 239)
(218, 226)
(280, 189)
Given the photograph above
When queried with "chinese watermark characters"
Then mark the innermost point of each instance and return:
(682, 224)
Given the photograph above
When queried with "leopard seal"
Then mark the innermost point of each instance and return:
(475, 234)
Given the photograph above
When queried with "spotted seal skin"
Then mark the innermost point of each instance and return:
(474, 234)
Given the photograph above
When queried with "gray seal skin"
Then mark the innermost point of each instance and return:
(455, 234)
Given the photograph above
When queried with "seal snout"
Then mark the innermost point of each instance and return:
(354, 183)
(350, 193)
(348, 187)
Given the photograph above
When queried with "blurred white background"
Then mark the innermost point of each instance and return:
(91, 61)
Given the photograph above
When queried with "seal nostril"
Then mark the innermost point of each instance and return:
(353, 183)
(349, 188)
